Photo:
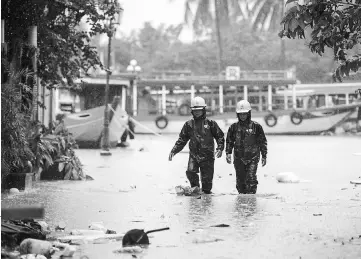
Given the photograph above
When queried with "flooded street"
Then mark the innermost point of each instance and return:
(316, 218)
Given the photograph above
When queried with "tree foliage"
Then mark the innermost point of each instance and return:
(63, 50)
(157, 48)
(15, 149)
(334, 24)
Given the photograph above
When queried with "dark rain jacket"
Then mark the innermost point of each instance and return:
(247, 140)
(201, 135)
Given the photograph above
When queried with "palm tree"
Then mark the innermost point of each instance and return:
(266, 15)
(217, 13)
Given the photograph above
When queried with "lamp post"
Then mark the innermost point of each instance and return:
(106, 144)
(135, 69)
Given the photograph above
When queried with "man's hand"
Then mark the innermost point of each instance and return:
(218, 153)
(264, 161)
(171, 155)
(229, 158)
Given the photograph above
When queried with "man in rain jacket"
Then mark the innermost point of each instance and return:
(200, 131)
(247, 139)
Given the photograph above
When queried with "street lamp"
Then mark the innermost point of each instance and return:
(106, 144)
(135, 69)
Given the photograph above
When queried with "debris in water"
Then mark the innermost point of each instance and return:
(36, 246)
(138, 237)
(32, 256)
(206, 240)
(230, 174)
(317, 214)
(287, 177)
(355, 181)
(61, 226)
(133, 249)
(110, 231)
(187, 191)
(221, 226)
(97, 226)
(342, 189)
(14, 191)
(89, 178)
(85, 232)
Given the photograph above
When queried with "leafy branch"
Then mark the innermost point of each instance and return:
(333, 26)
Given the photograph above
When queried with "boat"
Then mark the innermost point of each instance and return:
(87, 126)
(280, 103)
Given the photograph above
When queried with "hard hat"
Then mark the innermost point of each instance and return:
(243, 106)
(198, 103)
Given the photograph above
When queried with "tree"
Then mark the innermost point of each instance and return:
(213, 14)
(63, 50)
(243, 48)
(266, 15)
(334, 24)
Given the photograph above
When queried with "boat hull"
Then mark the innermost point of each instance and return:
(87, 126)
(315, 124)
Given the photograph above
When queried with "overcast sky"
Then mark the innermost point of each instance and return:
(137, 12)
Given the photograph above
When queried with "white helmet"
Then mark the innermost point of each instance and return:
(243, 106)
(198, 103)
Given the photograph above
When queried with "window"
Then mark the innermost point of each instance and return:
(338, 99)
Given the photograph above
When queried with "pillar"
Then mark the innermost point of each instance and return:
(220, 99)
(193, 91)
(270, 97)
(124, 97)
(135, 101)
(164, 100)
(245, 92)
(294, 100)
(285, 99)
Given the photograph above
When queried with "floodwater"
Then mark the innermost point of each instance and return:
(317, 218)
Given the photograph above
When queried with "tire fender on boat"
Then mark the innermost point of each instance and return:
(159, 119)
(296, 118)
(181, 109)
(268, 118)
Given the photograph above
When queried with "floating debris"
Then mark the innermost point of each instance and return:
(187, 191)
(133, 249)
(206, 240)
(287, 177)
(357, 181)
(221, 226)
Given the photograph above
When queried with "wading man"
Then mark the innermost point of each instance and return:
(201, 132)
(247, 139)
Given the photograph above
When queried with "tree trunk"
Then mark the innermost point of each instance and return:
(218, 36)
(33, 42)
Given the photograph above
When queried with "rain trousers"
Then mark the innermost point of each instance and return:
(200, 134)
(248, 141)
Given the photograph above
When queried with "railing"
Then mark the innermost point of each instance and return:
(244, 75)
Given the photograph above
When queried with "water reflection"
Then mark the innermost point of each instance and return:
(246, 215)
(245, 206)
(200, 210)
